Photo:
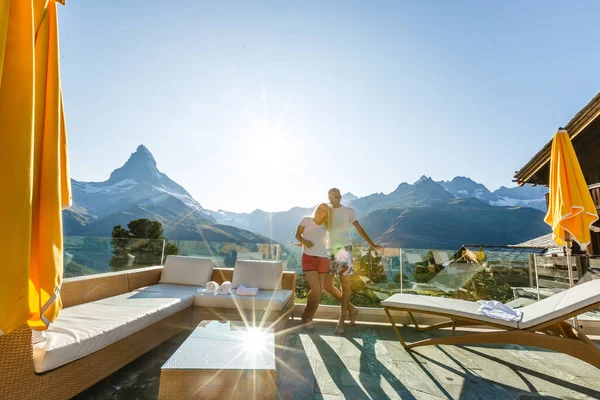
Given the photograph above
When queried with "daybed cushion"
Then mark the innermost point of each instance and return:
(83, 329)
(168, 288)
(265, 300)
(194, 271)
(561, 304)
(441, 305)
(264, 275)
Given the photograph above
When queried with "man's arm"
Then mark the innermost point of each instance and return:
(366, 237)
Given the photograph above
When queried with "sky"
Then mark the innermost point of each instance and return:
(269, 104)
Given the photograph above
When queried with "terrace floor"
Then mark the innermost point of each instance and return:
(369, 363)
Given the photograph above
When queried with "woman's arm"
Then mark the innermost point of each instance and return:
(299, 237)
(364, 235)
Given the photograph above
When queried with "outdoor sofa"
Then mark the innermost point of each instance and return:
(111, 319)
(543, 324)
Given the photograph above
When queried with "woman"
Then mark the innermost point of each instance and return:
(339, 247)
(315, 264)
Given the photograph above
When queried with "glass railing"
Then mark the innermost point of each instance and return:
(469, 273)
(95, 255)
(505, 274)
(225, 254)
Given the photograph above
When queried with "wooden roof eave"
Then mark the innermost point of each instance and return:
(577, 124)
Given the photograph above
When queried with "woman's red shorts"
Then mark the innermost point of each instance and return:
(314, 263)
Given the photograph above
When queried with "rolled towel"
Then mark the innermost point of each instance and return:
(211, 288)
(244, 291)
(495, 309)
(225, 288)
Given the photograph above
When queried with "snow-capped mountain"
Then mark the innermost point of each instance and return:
(461, 187)
(348, 198)
(137, 181)
(519, 196)
(522, 196)
(139, 190)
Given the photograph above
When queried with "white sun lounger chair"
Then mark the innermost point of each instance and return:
(542, 325)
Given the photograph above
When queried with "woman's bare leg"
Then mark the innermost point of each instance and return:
(345, 281)
(332, 290)
(314, 297)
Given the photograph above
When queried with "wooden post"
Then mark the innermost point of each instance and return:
(581, 265)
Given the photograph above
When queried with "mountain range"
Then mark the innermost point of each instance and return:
(424, 214)
(524, 196)
(420, 215)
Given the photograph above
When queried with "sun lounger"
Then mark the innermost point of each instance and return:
(543, 323)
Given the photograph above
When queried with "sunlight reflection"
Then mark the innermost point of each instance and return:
(255, 340)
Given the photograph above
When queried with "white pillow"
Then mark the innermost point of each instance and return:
(265, 275)
(194, 271)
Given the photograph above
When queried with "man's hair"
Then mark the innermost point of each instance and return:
(334, 190)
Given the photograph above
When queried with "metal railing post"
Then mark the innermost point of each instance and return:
(537, 281)
(401, 272)
(162, 256)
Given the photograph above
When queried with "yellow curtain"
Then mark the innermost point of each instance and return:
(35, 180)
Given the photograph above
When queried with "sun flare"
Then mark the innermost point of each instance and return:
(255, 340)
(266, 148)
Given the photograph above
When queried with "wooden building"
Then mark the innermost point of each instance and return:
(584, 130)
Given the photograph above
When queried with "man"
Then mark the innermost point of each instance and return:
(339, 246)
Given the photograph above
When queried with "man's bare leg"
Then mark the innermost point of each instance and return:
(345, 281)
(333, 291)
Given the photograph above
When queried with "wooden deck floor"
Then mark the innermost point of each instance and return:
(369, 363)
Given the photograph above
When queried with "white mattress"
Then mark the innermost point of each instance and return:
(563, 303)
(171, 288)
(272, 300)
(556, 306)
(86, 328)
(442, 305)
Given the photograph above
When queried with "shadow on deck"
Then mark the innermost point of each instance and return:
(369, 363)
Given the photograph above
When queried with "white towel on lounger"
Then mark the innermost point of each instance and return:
(225, 288)
(245, 291)
(211, 288)
(497, 310)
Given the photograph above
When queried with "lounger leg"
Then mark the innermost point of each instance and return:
(582, 336)
(395, 327)
(449, 324)
(414, 321)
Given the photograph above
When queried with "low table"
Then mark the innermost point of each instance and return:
(221, 360)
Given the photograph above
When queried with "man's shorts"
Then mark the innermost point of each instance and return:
(341, 260)
(314, 263)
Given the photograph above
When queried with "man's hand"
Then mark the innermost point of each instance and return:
(308, 244)
(377, 248)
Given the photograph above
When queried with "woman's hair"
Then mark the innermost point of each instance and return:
(328, 218)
